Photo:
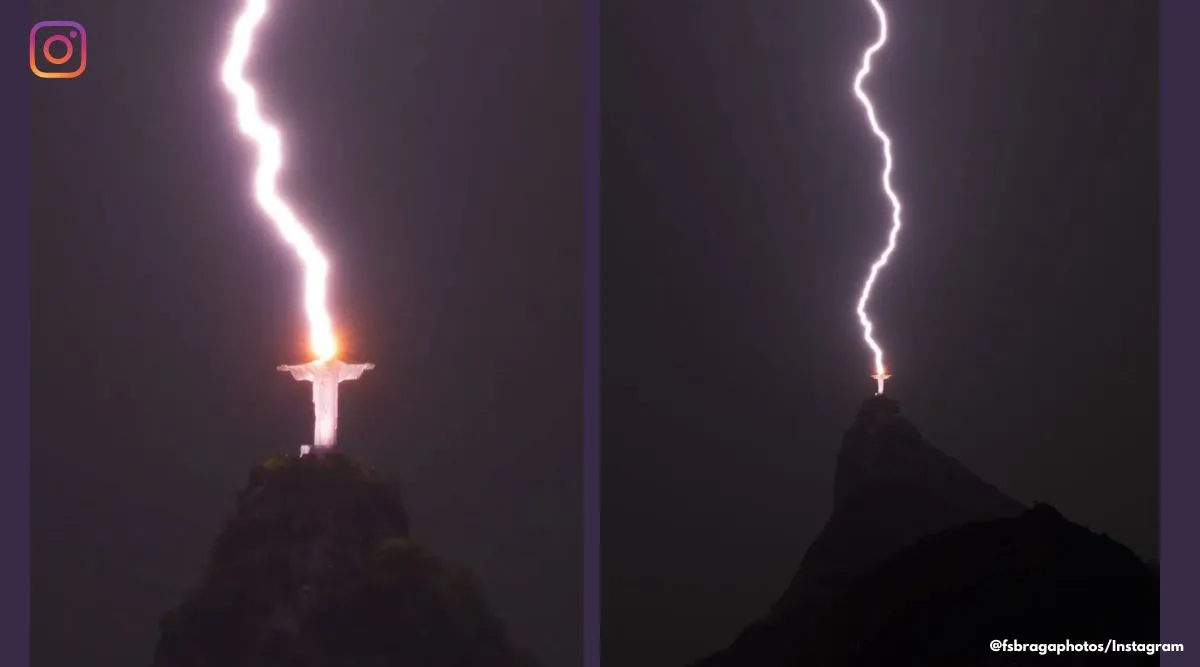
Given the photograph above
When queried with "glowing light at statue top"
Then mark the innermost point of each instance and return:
(269, 143)
(880, 374)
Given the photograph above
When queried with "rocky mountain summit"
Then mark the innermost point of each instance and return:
(923, 562)
(317, 569)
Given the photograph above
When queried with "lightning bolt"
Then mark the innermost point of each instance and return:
(886, 179)
(270, 158)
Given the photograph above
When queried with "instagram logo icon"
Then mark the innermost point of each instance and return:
(57, 49)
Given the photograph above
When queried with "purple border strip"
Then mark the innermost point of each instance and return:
(14, 291)
(1180, 358)
(591, 333)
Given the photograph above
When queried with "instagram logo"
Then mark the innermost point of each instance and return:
(58, 49)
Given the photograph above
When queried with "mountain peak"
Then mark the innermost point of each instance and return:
(891, 488)
(882, 450)
(924, 560)
(316, 569)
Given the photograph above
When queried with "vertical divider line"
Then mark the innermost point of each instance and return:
(16, 265)
(1179, 324)
(591, 333)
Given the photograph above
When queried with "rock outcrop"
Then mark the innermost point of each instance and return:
(317, 569)
(891, 488)
(922, 562)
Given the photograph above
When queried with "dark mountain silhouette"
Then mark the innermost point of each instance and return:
(922, 562)
(317, 569)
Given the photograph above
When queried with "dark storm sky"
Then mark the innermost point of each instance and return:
(436, 148)
(741, 210)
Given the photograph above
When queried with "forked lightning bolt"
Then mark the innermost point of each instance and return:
(886, 179)
(270, 158)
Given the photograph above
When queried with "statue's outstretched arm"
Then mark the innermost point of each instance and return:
(301, 372)
(353, 371)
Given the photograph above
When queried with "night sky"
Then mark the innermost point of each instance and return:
(436, 149)
(741, 210)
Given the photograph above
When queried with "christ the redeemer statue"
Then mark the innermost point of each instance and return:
(325, 376)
